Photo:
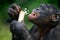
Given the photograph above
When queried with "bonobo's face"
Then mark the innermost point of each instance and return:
(38, 16)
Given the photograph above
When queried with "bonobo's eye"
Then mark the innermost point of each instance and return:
(37, 9)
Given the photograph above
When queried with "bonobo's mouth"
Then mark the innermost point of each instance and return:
(33, 15)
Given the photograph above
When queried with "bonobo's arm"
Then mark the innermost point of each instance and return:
(19, 29)
(54, 33)
(34, 32)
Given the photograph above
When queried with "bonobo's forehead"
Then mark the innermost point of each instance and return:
(46, 9)
(41, 11)
(51, 9)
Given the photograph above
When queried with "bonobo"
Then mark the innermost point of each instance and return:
(46, 20)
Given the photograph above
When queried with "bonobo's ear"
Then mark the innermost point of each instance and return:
(54, 17)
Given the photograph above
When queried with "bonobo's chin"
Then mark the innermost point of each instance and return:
(31, 20)
(34, 22)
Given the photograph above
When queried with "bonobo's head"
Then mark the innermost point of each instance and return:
(14, 11)
(45, 14)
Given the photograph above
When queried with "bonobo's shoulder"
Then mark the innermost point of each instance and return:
(54, 33)
(55, 30)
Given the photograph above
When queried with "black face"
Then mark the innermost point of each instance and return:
(37, 15)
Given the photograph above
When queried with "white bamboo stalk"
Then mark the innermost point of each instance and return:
(21, 16)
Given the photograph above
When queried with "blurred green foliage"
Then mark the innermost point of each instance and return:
(29, 4)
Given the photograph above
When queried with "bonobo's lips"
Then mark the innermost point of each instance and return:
(31, 14)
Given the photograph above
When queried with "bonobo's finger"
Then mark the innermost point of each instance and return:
(15, 7)
(12, 11)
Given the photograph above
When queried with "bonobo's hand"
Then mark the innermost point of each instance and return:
(20, 30)
(17, 27)
(14, 11)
